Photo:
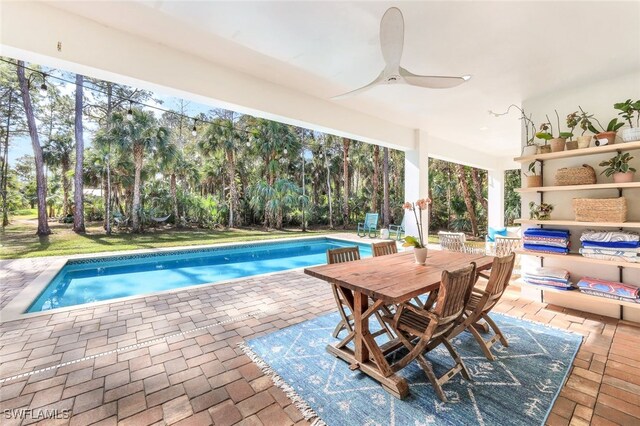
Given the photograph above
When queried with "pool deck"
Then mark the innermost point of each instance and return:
(172, 358)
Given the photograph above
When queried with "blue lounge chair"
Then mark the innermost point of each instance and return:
(398, 229)
(369, 226)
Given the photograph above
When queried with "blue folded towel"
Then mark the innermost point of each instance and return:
(611, 244)
(537, 232)
(536, 247)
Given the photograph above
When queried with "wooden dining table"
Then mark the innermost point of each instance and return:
(387, 280)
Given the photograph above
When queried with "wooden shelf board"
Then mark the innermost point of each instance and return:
(578, 294)
(577, 257)
(575, 223)
(627, 185)
(623, 146)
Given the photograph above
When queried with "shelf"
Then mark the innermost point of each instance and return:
(575, 223)
(577, 257)
(627, 185)
(584, 296)
(623, 146)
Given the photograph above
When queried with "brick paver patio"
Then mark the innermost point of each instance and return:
(190, 371)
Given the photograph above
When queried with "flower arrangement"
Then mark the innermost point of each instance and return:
(418, 207)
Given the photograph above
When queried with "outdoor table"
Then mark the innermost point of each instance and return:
(388, 280)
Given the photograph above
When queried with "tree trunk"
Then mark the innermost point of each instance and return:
(107, 204)
(5, 164)
(233, 190)
(466, 193)
(174, 200)
(345, 178)
(66, 206)
(41, 185)
(385, 186)
(374, 194)
(329, 198)
(477, 183)
(78, 181)
(138, 156)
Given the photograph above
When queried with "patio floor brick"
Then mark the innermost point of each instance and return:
(201, 377)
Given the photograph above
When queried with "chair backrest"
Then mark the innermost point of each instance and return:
(452, 241)
(404, 219)
(342, 255)
(506, 245)
(371, 220)
(499, 279)
(454, 293)
(384, 248)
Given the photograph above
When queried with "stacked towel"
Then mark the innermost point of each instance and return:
(548, 277)
(609, 289)
(611, 245)
(546, 240)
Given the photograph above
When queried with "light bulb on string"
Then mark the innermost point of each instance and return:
(43, 89)
(284, 151)
(130, 113)
(248, 144)
(194, 131)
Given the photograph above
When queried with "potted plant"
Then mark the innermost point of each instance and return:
(619, 168)
(585, 121)
(418, 243)
(608, 134)
(540, 211)
(628, 109)
(572, 122)
(534, 180)
(557, 142)
(529, 127)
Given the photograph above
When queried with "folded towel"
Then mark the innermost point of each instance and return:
(554, 242)
(609, 236)
(611, 244)
(609, 287)
(613, 257)
(608, 295)
(567, 287)
(545, 249)
(610, 251)
(546, 271)
(562, 233)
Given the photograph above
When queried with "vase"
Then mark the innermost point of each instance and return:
(529, 150)
(571, 145)
(420, 254)
(557, 144)
(545, 149)
(605, 138)
(623, 177)
(584, 141)
(534, 181)
(630, 134)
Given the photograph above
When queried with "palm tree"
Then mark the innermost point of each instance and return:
(78, 187)
(385, 186)
(139, 135)
(57, 152)
(345, 180)
(277, 199)
(466, 194)
(374, 193)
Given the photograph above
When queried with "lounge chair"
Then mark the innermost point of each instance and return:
(398, 229)
(369, 226)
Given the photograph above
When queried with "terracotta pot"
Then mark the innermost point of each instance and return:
(571, 145)
(421, 255)
(605, 138)
(534, 181)
(623, 177)
(557, 144)
(529, 150)
(584, 141)
(630, 134)
(545, 149)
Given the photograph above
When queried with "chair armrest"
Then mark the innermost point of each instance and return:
(480, 292)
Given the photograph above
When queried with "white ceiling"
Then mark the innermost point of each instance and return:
(514, 51)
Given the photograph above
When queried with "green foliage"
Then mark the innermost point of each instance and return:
(617, 164)
(410, 241)
(628, 109)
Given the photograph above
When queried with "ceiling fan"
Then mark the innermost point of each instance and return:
(391, 44)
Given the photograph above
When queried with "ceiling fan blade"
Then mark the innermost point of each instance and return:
(379, 80)
(392, 37)
(432, 81)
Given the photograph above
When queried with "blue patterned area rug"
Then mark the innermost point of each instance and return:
(518, 388)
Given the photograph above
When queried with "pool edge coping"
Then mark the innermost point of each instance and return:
(15, 309)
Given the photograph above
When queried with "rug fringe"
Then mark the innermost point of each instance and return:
(307, 412)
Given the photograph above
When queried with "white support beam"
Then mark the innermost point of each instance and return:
(495, 198)
(416, 180)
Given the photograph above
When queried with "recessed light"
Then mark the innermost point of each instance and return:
(466, 77)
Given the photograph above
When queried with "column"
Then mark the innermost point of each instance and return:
(496, 198)
(416, 179)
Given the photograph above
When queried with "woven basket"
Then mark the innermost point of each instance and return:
(584, 175)
(600, 209)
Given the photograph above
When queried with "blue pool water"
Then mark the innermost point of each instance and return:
(93, 280)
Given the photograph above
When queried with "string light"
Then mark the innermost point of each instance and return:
(285, 151)
(43, 86)
(130, 113)
(194, 131)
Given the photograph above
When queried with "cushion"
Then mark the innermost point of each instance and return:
(496, 231)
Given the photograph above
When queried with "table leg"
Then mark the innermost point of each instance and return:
(361, 303)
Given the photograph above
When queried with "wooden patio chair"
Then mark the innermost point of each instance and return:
(384, 248)
(369, 226)
(431, 326)
(344, 299)
(482, 301)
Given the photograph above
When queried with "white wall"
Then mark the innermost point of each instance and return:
(597, 99)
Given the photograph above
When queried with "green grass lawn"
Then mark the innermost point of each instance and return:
(19, 239)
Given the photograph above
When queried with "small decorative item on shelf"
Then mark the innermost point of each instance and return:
(572, 122)
(584, 175)
(533, 180)
(600, 209)
(418, 244)
(584, 140)
(619, 168)
(628, 109)
(546, 133)
(540, 211)
(608, 134)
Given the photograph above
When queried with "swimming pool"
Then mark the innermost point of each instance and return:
(93, 280)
